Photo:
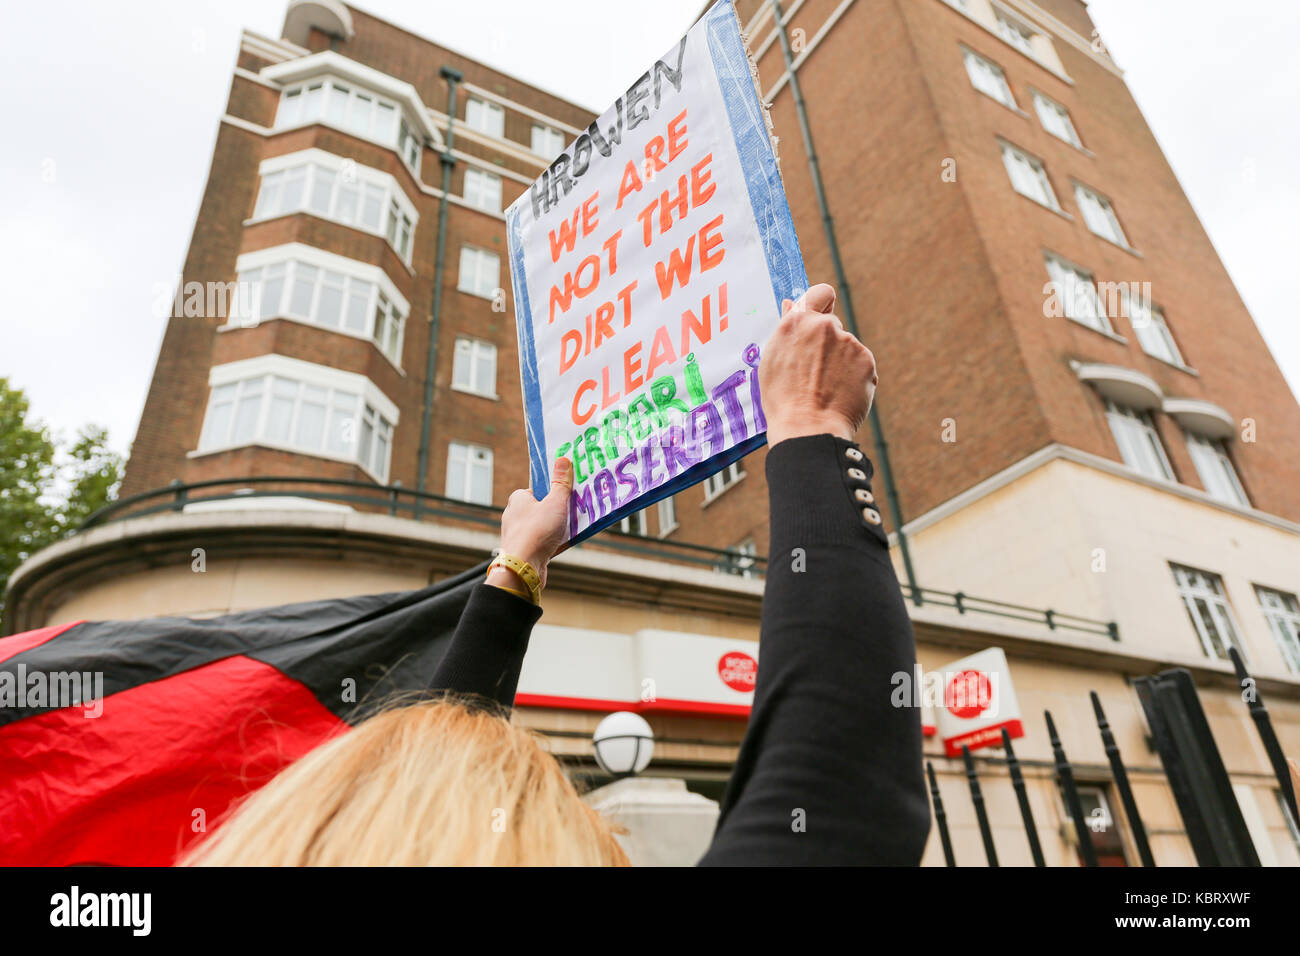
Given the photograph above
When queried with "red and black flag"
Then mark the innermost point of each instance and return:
(124, 742)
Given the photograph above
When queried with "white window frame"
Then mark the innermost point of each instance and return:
(635, 523)
(316, 101)
(1139, 442)
(1060, 124)
(988, 78)
(482, 190)
(369, 187)
(667, 508)
(484, 116)
(1281, 610)
(1027, 171)
(467, 356)
(1203, 595)
(385, 308)
(1152, 330)
(464, 469)
(720, 481)
(1076, 291)
(1214, 466)
(471, 276)
(1016, 32)
(261, 376)
(1099, 215)
(552, 141)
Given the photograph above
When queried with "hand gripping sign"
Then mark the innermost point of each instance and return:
(649, 262)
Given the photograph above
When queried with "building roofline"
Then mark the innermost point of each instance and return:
(472, 59)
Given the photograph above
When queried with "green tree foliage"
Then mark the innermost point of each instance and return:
(45, 494)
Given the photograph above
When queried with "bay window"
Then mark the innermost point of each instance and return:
(353, 109)
(339, 190)
(286, 403)
(309, 285)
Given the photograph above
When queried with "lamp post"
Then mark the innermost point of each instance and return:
(624, 744)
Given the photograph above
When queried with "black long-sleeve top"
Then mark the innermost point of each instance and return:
(829, 771)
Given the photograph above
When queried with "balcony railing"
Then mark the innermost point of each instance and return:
(400, 501)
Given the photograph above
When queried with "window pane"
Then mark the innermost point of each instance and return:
(359, 117)
(280, 414)
(372, 207)
(667, 515)
(485, 371)
(221, 410)
(321, 190)
(481, 478)
(329, 309)
(346, 209)
(290, 112)
(294, 183)
(456, 467)
(385, 123)
(462, 364)
(311, 418)
(380, 464)
(246, 412)
(304, 284)
(338, 105)
(358, 302)
(341, 436)
(268, 200)
(367, 437)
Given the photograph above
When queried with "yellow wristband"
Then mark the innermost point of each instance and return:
(515, 591)
(527, 573)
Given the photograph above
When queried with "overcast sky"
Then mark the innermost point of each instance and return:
(111, 112)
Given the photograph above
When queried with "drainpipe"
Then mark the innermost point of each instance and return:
(453, 77)
(845, 299)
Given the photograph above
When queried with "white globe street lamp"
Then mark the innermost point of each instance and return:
(624, 744)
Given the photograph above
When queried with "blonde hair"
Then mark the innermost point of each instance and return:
(438, 783)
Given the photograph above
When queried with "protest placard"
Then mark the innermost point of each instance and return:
(649, 262)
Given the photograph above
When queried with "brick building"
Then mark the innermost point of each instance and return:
(1081, 414)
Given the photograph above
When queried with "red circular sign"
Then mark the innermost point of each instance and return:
(968, 695)
(738, 670)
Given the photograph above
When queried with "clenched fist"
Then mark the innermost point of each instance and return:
(816, 378)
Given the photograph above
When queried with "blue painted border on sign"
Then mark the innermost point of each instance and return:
(757, 158)
(691, 476)
(539, 469)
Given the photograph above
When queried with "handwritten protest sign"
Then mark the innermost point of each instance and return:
(649, 262)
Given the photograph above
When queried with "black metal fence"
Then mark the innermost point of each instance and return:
(1200, 783)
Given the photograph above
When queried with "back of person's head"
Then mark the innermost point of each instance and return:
(435, 783)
